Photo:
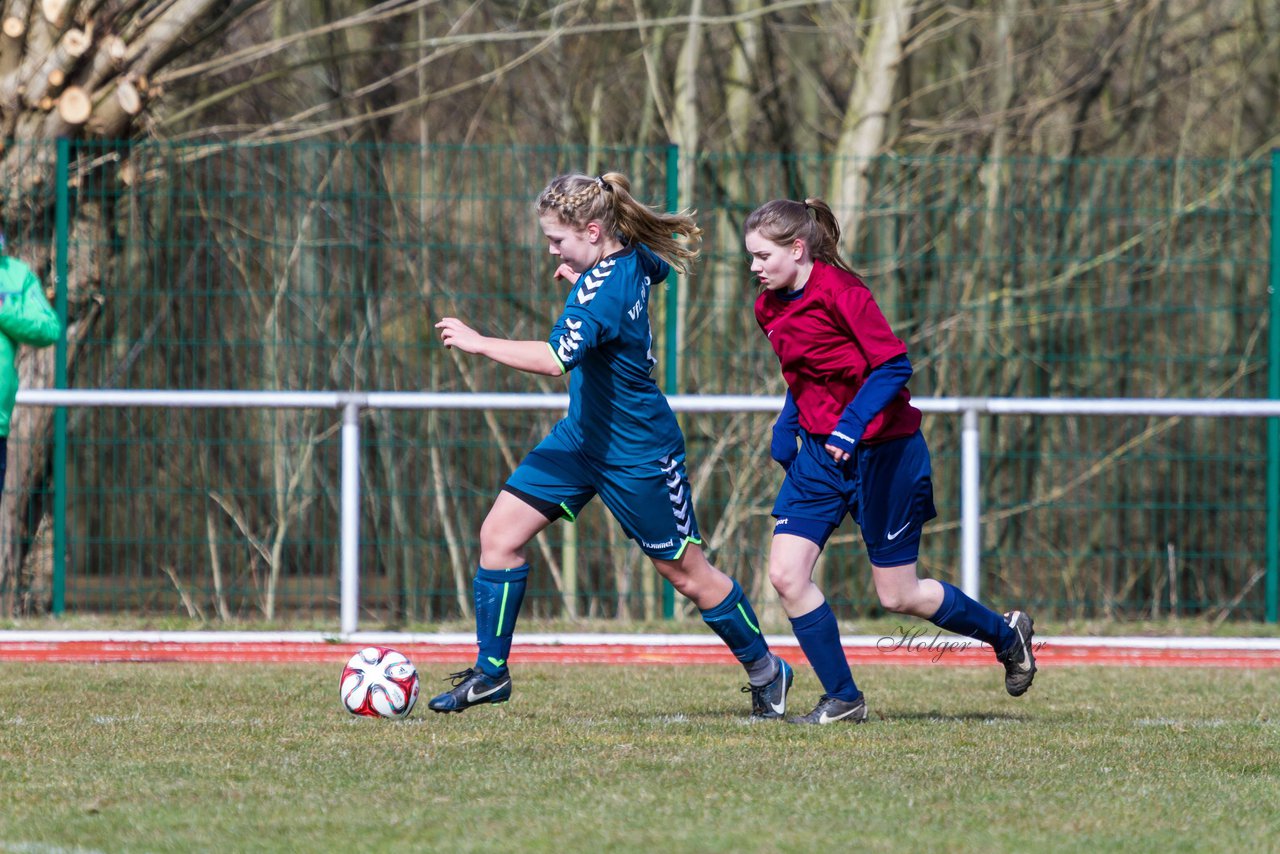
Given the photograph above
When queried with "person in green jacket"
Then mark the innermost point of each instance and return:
(25, 318)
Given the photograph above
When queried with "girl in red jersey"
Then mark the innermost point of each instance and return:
(850, 442)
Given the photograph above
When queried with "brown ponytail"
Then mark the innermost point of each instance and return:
(784, 221)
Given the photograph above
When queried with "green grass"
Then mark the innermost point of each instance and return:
(182, 757)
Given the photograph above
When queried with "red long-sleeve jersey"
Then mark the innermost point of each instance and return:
(828, 338)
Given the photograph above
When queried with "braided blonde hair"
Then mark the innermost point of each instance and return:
(578, 199)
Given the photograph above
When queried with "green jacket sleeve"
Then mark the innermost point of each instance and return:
(25, 313)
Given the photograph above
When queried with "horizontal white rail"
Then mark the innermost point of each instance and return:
(352, 402)
(1161, 407)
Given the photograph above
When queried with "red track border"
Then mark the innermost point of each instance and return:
(930, 652)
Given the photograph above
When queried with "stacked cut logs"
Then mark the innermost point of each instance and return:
(61, 74)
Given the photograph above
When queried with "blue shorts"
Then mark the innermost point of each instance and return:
(652, 501)
(886, 487)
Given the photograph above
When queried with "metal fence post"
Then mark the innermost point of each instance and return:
(1273, 391)
(350, 536)
(970, 505)
(62, 242)
(671, 371)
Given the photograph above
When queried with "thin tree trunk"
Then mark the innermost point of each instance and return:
(215, 566)
(37, 570)
(458, 564)
(30, 432)
(740, 104)
(686, 123)
(866, 118)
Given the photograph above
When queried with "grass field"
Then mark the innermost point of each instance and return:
(177, 757)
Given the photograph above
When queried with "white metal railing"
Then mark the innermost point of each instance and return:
(352, 402)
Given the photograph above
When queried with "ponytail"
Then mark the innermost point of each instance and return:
(784, 221)
(606, 199)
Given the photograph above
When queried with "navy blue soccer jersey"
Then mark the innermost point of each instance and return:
(603, 340)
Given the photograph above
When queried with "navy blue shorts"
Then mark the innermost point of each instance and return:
(652, 501)
(886, 487)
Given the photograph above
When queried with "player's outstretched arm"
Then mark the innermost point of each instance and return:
(535, 357)
(570, 275)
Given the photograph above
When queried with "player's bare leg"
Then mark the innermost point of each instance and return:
(727, 611)
(902, 591)
(694, 578)
(507, 529)
(500, 580)
(791, 562)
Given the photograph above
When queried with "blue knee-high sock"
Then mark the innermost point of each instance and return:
(498, 593)
(737, 625)
(963, 615)
(819, 636)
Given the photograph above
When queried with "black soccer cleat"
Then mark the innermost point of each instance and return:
(1019, 659)
(472, 687)
(769, 702)
(832, 711)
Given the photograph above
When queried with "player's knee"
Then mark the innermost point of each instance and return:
(895, 600)
(788, 582)
(684, 585)
(498, 549)
(900, 601)
(692, 575)
(680, 577)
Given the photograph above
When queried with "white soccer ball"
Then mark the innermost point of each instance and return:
(379, 683)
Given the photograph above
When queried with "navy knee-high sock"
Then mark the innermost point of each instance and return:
(498, 594)
(819, 636)
(737, 625)
(963, 615)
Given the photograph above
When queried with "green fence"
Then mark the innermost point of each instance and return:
(323, 267)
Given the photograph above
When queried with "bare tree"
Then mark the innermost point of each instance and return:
(883, 87)
(866, 117)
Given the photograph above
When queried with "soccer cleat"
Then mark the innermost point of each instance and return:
(1019, 660)
(769, 702)
(831, 711)
(472, 687)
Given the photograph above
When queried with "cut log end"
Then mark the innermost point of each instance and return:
(128, 96)
(14, 27)
(74, 106)
(76, 42)
(55, 11)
